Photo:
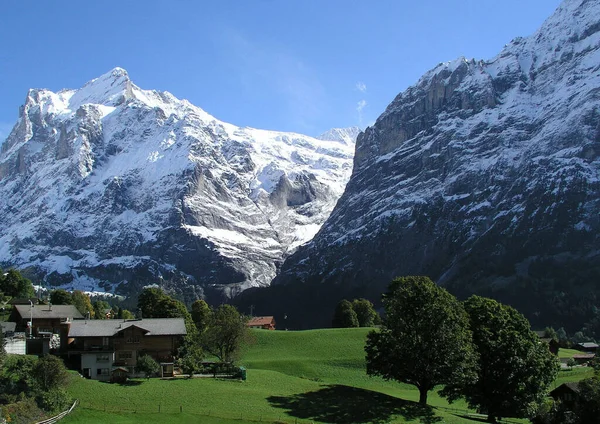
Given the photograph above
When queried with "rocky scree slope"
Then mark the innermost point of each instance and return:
(485, 175)
(111, 187)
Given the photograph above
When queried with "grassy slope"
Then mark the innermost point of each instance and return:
(316, 375)
(567, 353)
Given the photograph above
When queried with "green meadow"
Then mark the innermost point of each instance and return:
(293, 377)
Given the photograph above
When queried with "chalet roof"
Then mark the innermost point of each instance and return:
(8, 326)
(583, 356)
(48, 311)
(571, 386)
(261, 321)
(110, 327)
(588, 345)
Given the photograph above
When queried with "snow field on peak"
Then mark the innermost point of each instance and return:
(111, 168)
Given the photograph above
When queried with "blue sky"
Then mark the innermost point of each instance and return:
(289, 65)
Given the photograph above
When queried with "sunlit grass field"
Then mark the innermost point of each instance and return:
(293, 377)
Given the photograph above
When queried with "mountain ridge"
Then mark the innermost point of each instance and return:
(484, 175)
(111, 187)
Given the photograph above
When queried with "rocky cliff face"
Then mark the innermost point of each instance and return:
(111, 187)
(485, 175)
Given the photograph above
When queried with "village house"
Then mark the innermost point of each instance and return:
(568, 393)
(588, 347)
(266, 323)
(583, 358)
(45, 319)
(109, 346)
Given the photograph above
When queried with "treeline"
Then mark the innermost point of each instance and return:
(590, 332)
(358, 313)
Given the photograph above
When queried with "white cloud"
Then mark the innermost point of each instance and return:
(361, 86)
(359, 108)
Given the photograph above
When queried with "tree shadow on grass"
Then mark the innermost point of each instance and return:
(128, 383)
(351, 405)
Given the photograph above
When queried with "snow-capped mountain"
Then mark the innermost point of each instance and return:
(343, 135)
(111, 186)
(484, 175)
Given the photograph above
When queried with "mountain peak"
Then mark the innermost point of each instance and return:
(342, 135)
(110, 89)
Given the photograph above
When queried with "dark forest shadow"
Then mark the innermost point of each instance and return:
(351, 405)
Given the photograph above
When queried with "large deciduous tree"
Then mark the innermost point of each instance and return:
(13, 284)
(50, 373)
(2, 351)
(83, 304)
(588, 406)
(147, 365)
(61, 297)
(515, 369)
(153, 302)
(424, 339)
(225, 334)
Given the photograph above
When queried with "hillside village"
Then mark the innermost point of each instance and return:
(121, 351)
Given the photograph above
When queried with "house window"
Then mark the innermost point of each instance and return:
(134, 339)
(105, 341)
(102, 371)
(102, 358)
(125, 355)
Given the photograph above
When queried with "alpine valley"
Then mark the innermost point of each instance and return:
(484, 175)
(111, 187)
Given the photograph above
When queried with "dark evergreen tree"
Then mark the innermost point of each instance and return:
(344, 315)
(365, 312)
(201, 313)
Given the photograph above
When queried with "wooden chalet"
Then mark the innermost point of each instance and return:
(43, 318)
(588, 347)
(107, 345)
(568, 393)
(266, 323)
(583, 358)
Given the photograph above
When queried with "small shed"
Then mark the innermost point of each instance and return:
(119, 375)
(583, 358)
(167, 369)
(8, 328)
(266, 323)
